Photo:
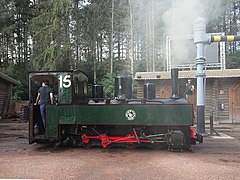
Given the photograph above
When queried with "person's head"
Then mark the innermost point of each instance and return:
(45, 82)
(189, 80)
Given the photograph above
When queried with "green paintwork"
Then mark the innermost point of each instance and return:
(171, 114)
(65, 95)
(65, 87)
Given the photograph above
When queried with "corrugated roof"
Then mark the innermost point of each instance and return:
(228, 73)
(9, 79)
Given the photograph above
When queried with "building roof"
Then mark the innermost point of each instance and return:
(9, 79)
(227, 73)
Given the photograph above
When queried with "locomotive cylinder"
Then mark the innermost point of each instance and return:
(175, 83)
(123, 87)
(149, 91)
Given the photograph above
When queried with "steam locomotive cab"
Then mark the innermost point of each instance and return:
(68, 87)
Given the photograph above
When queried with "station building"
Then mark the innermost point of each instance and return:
(222, 99)
(6, 85)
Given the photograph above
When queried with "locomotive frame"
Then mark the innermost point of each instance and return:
(79, 119)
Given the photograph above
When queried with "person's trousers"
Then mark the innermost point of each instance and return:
(43, 114)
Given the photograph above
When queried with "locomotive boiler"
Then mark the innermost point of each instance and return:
(100, 120)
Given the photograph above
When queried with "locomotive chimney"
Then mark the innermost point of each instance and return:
(175, 84)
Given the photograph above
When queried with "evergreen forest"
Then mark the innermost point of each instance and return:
(103, 38)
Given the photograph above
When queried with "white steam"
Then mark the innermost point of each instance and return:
(179, 21)
(180, 18)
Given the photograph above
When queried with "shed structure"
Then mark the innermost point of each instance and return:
(222, 99)
(6, 84)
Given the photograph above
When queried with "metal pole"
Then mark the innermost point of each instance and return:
(211, 123)
(131, 36)
(111, 45)
(200, 40)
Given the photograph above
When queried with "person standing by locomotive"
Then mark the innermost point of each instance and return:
(189, 88)
(45, 95)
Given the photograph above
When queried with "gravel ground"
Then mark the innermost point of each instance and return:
(216, 158)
